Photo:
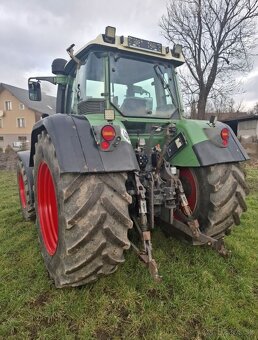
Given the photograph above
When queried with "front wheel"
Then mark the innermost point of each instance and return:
(216, 195)
(82, 219)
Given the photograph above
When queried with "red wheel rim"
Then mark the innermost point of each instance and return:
(22, 191)
(47, 208)
(190, 186)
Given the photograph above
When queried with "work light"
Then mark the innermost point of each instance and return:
(110, 35)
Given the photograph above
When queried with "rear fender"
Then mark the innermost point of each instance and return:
(76, 147)
(204, 145)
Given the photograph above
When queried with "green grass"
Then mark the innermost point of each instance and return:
(202, 295)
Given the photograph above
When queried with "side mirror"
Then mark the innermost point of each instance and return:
(34, 90)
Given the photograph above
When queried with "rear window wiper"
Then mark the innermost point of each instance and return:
(163, 81)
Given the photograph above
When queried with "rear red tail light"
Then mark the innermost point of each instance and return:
(108, 133)
(104, 145)
(225, 136)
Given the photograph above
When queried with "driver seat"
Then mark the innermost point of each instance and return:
(134, 106)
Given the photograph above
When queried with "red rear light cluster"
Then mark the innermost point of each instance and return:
(225, 136)
(104, 145)
(108, 133)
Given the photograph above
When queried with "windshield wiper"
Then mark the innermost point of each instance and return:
(165, 84)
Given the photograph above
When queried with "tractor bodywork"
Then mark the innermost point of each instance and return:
(120, 115)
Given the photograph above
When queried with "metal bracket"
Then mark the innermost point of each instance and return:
(140, 190)
(70, 51)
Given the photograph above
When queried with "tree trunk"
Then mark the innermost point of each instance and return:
(201, 106)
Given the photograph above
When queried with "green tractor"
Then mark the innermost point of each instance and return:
(119, 154)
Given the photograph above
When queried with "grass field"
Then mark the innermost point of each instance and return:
(202, 295)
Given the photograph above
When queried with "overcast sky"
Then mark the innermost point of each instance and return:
(34, 32)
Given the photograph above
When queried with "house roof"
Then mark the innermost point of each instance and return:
(46, 105)
(229, 116)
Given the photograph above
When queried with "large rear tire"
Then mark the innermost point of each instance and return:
(216, 195)
(27, 206)
(82, 219)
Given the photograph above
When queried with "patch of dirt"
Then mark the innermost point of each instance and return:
(251, 163)
(8, 160)
(124, 313)
(195, 330)
(255, 289)
(41, 300)
(39, 324)
(102, 334)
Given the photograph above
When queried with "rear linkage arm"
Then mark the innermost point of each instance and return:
(145, 254)
(193, 224)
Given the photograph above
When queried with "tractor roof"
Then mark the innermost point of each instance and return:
(133, 45)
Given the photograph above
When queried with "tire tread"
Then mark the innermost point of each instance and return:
(225, 189)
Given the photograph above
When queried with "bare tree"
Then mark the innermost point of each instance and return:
(217, 37)
(254, 110)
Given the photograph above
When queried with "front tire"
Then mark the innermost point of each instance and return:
(82, 219)
(216, 195)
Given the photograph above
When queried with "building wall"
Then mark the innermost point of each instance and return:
(9, 129)
(248, 130)
(248, 135)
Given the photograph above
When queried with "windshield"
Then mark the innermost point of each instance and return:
(142, 89)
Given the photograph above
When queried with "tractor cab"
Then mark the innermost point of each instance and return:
(131, 85)
(131, 76)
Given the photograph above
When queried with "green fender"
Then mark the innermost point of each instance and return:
(204, 145)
